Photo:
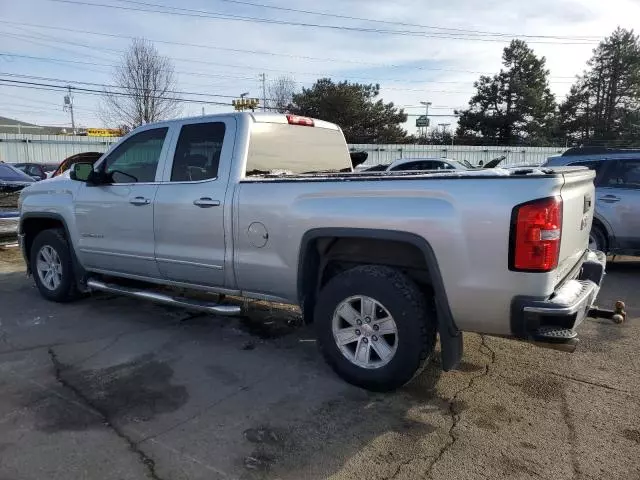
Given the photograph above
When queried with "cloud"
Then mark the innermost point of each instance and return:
(409, 68)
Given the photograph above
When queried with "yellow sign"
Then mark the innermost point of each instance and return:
(104, 132)
(245, 104)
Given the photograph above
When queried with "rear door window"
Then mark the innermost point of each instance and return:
(624, 174)
(197, 155)
(417, 165)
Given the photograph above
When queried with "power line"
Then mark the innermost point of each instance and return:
(259, 52)
(376, 80)
(105, 85)
(58, 88)
(362, 19)
(231, 17)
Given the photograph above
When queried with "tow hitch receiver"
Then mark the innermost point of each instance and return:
(617, 315)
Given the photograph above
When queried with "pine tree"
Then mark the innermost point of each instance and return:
(602, 106)
(515, 106)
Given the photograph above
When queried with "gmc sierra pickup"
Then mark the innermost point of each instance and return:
(267, 206)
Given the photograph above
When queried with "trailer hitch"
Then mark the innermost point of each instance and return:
(617, 314)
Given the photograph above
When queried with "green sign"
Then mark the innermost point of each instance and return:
(422, 121)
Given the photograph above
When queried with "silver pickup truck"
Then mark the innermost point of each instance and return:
(266, 206)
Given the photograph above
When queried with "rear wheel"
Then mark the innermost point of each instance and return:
(597, 239)
(52, 266)
(375, 327)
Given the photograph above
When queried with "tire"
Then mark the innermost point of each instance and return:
(56, 246)
(396, 296)
(597, 239)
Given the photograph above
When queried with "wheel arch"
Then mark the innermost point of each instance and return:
(319, 247)
(32, 223)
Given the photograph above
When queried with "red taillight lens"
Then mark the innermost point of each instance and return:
(298, 120)
(537, 228)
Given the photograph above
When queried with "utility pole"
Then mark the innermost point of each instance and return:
(263, 78)
(68, 106)
(444, 130)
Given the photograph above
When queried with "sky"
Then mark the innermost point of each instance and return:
(417, 50)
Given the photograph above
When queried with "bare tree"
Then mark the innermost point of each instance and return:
(280, 91)
(143, 90)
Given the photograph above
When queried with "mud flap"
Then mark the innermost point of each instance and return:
(451, 348)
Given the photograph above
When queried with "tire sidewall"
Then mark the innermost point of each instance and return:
(599, 237)
(52, 239)
(409, 315)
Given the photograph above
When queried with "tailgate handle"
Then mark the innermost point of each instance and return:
(587, 203)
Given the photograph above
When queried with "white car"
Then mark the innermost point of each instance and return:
(429, 163)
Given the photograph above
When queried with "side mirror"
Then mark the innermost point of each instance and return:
(81, 171)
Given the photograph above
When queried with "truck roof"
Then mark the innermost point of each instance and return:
(259, 117)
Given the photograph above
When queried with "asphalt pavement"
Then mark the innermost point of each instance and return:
(115, 388)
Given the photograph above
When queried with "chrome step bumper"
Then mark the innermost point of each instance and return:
(551, 322)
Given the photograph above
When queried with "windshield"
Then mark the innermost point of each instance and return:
(12, 174)
(460, 165)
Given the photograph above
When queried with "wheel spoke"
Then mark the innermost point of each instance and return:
(55, 280)
(362, 352)
(348, 313)
(368, 307)
(48, 278)
(346, 336)
(382, 348)
(386, 326)
(45, 254)
(42, 266)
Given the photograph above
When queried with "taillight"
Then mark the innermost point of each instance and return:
(536, 228)
(298, 120)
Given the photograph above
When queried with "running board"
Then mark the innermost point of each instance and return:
(191, 304)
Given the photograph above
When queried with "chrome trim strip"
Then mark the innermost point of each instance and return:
(123, 255)
(184, 262)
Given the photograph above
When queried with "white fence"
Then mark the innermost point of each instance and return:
(515, 155)
(16, 148)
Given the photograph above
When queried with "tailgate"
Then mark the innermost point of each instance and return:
(578, 201)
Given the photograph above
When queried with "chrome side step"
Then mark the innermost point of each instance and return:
(191, 304)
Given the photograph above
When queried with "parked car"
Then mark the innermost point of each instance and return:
(13, 179)
(256, 205)
(430, 163)
(67, 163)
(38, 171)
(616, 223)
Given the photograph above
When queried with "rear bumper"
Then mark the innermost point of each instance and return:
(551, 322)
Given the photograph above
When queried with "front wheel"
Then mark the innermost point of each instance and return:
(52, 266)
(374, 327)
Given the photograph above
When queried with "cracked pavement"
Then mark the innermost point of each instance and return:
(114, 388)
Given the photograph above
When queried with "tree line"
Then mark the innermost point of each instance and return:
(513, 107)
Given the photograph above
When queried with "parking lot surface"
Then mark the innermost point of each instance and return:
(115, 388)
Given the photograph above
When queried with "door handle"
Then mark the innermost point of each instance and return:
(139, 201)
(206, 202)
(609, 199)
